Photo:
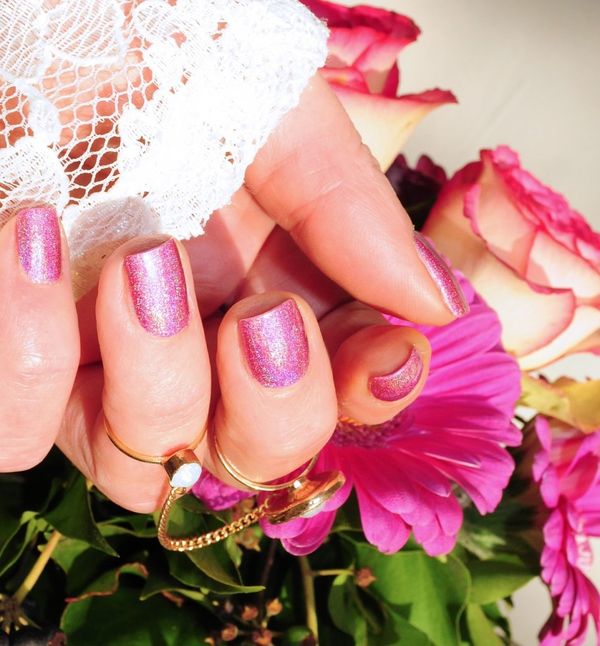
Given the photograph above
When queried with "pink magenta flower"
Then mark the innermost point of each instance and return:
(404, 472)
(567, 468)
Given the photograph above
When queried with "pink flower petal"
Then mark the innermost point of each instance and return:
(385, 530)
(312, 537)
(380, 476)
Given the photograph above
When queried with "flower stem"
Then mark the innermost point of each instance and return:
(308, 584)
(265, 577)
(331, 572)
(37, 569)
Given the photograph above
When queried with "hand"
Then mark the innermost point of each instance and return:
(317, 182)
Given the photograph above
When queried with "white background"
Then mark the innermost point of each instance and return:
(526, 74)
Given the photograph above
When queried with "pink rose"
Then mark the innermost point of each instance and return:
(362, 68)
(534, 259)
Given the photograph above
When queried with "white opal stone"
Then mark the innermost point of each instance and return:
(313, 511)
(186, 476)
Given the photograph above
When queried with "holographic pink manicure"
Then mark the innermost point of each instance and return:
(275, 345)
(398, 384)
(38, 244)
(157, 284)
(442, 274)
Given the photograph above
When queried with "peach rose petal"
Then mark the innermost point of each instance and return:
(531, 317)
(585, 323)
(497, 219)
(550, 263)
(385, 123)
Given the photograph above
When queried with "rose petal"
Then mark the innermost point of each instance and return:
(385, 123)
(497, 219)
(552, 264)
(585, 322)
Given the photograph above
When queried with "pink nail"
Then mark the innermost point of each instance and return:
(157, 284)
(398, 384)
(38, 244)
(442, 274)
(275, 345)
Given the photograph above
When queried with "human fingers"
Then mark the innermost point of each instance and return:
(379, 368)
(221, 258)
(156, 389)
(277, 406)
(39, 351)
(282, 265)
(319, 182)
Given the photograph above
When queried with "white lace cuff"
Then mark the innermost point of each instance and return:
(142, 117)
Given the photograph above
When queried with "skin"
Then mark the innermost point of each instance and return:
(290, 232)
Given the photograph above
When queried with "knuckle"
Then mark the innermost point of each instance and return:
(36, 368)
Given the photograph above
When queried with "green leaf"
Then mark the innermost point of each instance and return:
(505, 532)
(429, 593)
(399, 632)
(72, 517)
(81, 563)
(480, 628)
(121, 619)
(108, 583)
(181, 568)
(21, 537)
(343, 609)
(160, 582)
(296, 636)
(215, 562)
(495, 580)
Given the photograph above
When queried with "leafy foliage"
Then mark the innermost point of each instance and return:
(109, 581)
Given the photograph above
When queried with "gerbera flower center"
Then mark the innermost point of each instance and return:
(364, 436)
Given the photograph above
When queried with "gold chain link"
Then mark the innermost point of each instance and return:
(197, 542)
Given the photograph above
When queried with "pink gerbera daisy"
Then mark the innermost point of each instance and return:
(567, 467)
(405, 471)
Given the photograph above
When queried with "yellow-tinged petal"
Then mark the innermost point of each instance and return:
(572, 402)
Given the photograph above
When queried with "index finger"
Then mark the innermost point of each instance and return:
(317, 180)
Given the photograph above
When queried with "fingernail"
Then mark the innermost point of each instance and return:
(442, 275)
(38, 244)
(398, 384)
(275, 345)
(157, 284)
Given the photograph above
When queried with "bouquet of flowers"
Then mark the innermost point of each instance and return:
(490, 478)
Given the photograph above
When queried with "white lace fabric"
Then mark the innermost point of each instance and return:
(141, 116)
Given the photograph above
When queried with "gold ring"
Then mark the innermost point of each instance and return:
(251, 484)
(301, 496)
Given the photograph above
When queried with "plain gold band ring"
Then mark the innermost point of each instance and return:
(251, 484)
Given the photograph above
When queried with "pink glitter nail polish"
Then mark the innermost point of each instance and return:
(275, 345)
(442, 275)
(38, 244)
(400, 383)
(158, 289)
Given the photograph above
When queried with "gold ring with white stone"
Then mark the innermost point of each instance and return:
(183, 467)
(302, 496)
